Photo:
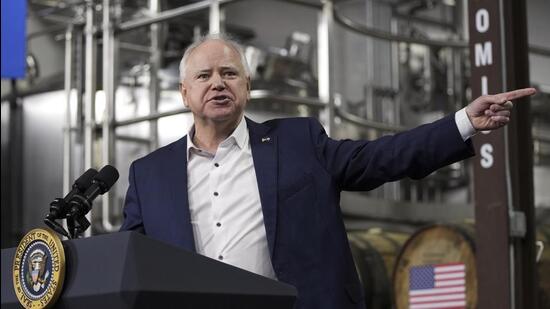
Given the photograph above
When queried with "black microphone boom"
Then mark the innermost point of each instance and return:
(60, 207)
(81, 204)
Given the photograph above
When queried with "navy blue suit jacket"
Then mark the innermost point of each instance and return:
(300, 174)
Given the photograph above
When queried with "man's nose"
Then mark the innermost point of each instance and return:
(217, 82)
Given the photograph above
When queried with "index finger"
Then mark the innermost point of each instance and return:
(516, 94)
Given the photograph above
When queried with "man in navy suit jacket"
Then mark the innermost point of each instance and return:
(286, 174)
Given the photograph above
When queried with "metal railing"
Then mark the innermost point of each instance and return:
(328, 15)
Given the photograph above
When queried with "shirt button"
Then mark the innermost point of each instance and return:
(216, 194)
(220, 257)
(218, 224)
(216, 165)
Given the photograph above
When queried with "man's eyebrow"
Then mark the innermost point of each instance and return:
(202, 71)
(228, 67)
(209, 70)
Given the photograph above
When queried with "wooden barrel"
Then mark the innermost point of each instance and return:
(437, 266)
(374, 252)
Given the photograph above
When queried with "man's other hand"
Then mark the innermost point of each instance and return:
(490, 112)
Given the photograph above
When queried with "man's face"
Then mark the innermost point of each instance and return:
(215, 87)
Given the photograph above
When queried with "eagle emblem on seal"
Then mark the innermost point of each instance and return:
(37, 273)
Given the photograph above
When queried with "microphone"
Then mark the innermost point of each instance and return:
(59, 207)
(81, 204)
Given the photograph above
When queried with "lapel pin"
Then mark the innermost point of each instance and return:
(266, 139)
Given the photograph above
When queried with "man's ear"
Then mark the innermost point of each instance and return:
(183, 92)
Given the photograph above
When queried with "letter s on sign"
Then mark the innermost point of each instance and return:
(486, 151)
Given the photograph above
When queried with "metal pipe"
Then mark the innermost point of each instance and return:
(62, 19)
(67, 145)
(383, 35)
(133, 139)
(134, 47)
(79, 81)
(108, 142)
(395, 68)
(423, 20)
(369, 123)
(255, 95)
(539, 50)
(461, 21)
(151, 117)
(48, 31)
(167, 15)
(214, 17)
(89, 97)
(369, 83)
(344, 21)
(394, 59)
(325, 36)
(154, 66)
(303, 3)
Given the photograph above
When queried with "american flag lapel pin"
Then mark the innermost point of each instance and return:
(266, 139)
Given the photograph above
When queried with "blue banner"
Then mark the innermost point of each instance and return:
(14, 13)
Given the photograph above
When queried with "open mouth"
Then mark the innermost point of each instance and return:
(220, 99)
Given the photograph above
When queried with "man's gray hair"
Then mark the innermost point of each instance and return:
(209, 37)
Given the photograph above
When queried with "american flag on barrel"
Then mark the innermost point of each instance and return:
(437, 286)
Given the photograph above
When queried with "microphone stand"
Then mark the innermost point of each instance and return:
(75, 206)
(76, 215)
(77, 223)
(57, 212)
(71, 227)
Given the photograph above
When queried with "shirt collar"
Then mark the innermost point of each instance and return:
(238, 136)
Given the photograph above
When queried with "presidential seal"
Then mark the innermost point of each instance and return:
(39, 269)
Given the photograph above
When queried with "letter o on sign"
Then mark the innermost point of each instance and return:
(482, 20)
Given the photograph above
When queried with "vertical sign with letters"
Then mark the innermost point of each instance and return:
(490, 166)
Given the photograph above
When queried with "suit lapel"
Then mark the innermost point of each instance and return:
(264, 154)
(177, 173)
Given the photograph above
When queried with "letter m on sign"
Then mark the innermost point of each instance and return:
(484, 54)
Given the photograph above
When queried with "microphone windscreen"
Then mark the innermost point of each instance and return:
(107, 177)
(85, 181)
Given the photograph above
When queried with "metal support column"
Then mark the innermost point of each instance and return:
(369, 88)
(154, 66)
(67, 143)
(325, 38)
(108, 133)
(89, 96)
(79, 86)
(520, 149)
(461, 21)
(394, 24)
(12, 170)
(397, 186)
(215, 17)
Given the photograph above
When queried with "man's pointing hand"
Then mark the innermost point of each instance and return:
(490, 112)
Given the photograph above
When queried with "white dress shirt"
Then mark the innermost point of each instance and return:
(224, 200)
(464, 124)
(224, 203)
